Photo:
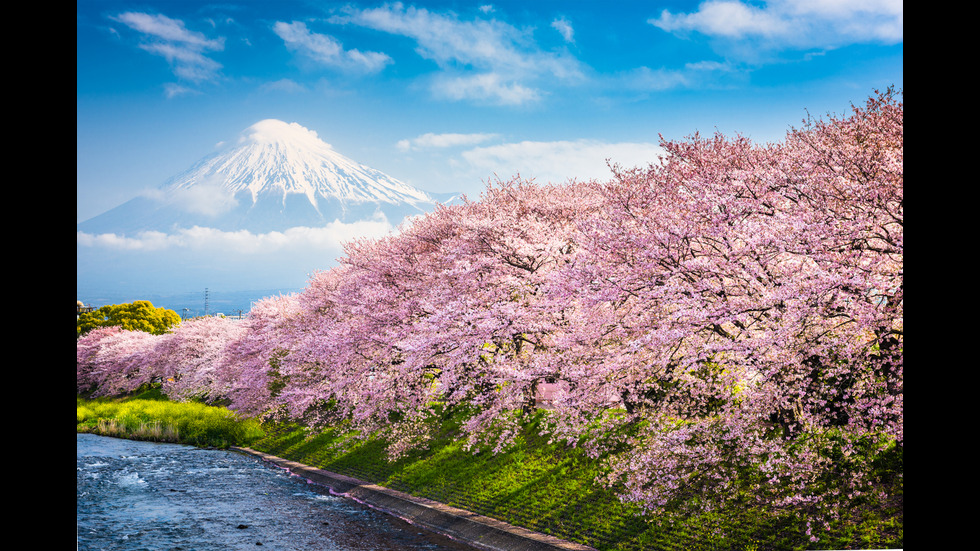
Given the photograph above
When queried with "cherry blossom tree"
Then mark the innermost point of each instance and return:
(448, 313)
(87, 348)
(248, 369)
(188, 357)
(744, 303)
(112, 360)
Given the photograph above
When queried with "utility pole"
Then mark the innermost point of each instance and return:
(206, 297)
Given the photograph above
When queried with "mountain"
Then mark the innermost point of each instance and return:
(276, 176)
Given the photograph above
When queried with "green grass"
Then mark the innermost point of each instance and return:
(546, 487)
(151, 417)
(550, 488)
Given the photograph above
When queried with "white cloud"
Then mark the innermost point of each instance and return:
(692, 75)
(565, 28)
(329, 238)
(184, 49)
(724, 18)
(210, 200)
(169, 30)
(644, 78)
(560, 161)
(187, 63)
(481, 59)
(490, 87)
(283, 85)
(146, 241)
(327, 50)
(173, 90)
(430, 140)
(792, 23)
(193, 258)
(709, 66)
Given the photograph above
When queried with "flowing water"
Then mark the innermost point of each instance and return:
(142, 495)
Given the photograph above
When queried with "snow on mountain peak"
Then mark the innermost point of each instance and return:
(278, 175)
(277, 131)
(280, 158)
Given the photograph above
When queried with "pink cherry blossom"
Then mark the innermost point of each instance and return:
(726, 321)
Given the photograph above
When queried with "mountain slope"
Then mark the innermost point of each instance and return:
(278, 175)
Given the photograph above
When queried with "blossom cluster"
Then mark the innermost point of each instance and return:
(723, 324)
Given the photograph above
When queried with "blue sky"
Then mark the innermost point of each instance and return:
(444, 95)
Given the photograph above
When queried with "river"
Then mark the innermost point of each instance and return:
(141, 495)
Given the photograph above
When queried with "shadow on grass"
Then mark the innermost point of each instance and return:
(551, 488)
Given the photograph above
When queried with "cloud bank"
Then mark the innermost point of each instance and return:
(560, 161)
(328, 238)
(440, 141)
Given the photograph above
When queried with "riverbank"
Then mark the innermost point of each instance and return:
(551, 488)
(476, 530)
(545, 487)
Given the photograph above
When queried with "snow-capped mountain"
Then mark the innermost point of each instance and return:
(276, 176)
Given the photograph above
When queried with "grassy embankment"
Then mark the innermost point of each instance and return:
(150, 416)
(543, 486)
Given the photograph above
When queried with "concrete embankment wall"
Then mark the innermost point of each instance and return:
(476, 530)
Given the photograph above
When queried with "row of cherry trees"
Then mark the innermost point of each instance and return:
(727, 322)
